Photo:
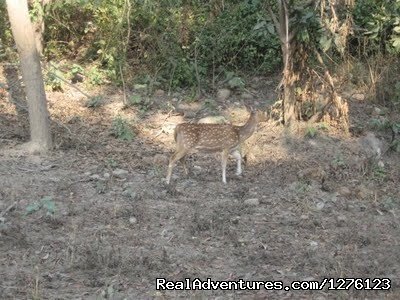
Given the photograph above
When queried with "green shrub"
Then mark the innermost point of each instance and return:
(53, 77)
(311, 132)
(47, 204)
(176, 44)
(379, 22)
(121, 129)
(94, 102)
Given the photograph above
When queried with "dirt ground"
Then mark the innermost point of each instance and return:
(94, 219)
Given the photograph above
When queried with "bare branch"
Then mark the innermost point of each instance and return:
(275, 20)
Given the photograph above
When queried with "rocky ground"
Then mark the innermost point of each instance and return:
(94, 219)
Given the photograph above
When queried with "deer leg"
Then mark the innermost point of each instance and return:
(224, 159)
(185, 165)
(236, 154)
(174, 158)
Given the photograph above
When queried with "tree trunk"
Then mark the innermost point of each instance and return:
(289, 99)
(288, 75)
(39, 120)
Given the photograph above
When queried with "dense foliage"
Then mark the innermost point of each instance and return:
(176, 43)
(195, 43)
(377, 26)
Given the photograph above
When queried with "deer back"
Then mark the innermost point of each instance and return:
(207, 137)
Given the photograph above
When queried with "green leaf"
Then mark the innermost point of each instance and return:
(308, 15)
(229, 75)
(127, 136)
(259, 25)
(236, 82)
(33, 207)
(396, 43)
(135, 99)
(49, 205)
(271, 28)
(396, 29)
(311, 132)
(325, 43)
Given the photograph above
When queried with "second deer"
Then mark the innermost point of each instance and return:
(211, 138)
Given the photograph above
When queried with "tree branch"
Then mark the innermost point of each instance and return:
(275, 20)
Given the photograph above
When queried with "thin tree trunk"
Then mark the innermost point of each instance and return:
(289, 101)
(23, 33)
(288, 76)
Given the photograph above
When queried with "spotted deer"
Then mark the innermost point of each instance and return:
(213, 138)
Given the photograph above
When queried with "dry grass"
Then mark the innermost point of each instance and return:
(112, 236)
